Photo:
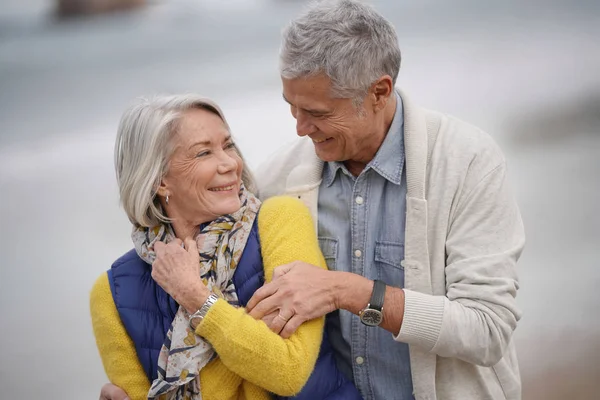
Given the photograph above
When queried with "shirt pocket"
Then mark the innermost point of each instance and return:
(329, 249)
(388, 258)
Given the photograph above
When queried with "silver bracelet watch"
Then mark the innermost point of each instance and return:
(195, 319)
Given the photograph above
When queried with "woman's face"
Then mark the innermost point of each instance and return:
(204, 176)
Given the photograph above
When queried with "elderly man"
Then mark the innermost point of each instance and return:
(414, 215)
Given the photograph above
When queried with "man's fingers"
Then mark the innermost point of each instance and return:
(291, 326)
(279, 322)
(281, 270)
(265, 306)
(112, 392)
(262, 293)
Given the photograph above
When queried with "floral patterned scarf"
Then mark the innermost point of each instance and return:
(220, 245)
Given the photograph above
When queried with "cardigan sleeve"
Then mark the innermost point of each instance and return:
(475, 321)
(120, 360)
(248, 347)
(116, 348)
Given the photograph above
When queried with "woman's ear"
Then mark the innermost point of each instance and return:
(162, 190)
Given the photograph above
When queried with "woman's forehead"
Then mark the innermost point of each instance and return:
(198, 125)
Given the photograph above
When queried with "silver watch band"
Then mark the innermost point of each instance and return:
(202, 311)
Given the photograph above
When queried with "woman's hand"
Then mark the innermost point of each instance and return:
(177, 271)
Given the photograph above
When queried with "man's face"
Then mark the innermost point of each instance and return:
(338, 131)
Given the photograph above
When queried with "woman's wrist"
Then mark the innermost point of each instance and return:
(193, 297)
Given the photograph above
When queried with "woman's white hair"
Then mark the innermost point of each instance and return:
(144, 147)
(346, 40)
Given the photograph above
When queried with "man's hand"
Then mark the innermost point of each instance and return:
(112, 392)
(177, 271)
(298, 293)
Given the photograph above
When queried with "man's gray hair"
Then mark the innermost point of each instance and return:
(144, 147)
(346, 40)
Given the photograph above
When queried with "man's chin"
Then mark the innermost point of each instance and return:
(326, 156)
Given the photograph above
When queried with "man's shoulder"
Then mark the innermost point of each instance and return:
(458, 141)
(272, 175)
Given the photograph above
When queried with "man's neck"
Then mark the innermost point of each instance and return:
(355, 167)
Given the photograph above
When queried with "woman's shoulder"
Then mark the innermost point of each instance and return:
(282, 208)
(101, 286)
(101, 299)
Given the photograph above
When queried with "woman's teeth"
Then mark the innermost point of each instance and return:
(222, 189)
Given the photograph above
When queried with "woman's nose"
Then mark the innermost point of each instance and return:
(227, 162)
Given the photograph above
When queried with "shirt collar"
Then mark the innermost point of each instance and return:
(388, 161)
(330, 170)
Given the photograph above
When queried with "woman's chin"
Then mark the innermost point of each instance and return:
(228, 206)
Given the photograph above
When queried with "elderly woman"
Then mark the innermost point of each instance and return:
(167, 315)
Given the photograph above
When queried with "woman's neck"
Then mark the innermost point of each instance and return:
(184, 230)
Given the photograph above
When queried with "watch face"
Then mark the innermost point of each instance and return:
(371, 317)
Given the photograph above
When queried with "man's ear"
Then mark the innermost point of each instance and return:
(381, 91)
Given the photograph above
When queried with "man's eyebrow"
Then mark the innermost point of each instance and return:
(312, 111)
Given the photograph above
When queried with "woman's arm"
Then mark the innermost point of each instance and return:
(120, 359)
(248, 347)
(116, 348)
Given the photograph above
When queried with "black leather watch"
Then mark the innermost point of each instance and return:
(372, 315)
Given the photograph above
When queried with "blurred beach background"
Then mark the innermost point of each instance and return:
(526, 72)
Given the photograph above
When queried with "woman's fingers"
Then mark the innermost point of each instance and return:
(191, 246)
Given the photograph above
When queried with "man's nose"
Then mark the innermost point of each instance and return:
(304, 125)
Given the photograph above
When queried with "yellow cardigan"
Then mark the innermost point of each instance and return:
(253, 361)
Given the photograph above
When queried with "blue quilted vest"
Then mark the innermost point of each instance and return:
(147, 311)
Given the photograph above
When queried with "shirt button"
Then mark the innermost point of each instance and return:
(359, 200)
(360, 360)
(357, 253)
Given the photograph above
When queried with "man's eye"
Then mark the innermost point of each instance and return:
(230, 146)
(202, 154)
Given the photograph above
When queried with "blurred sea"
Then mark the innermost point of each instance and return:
(526, 72)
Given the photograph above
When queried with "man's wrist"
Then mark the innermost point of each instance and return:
(352, 291)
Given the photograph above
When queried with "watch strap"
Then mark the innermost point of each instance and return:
(378, 295)
(201, 313)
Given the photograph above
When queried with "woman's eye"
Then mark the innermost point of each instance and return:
(202, 154)
(230, 146)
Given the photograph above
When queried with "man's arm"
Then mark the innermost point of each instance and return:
(307, 292)
(476, 318)
(473, 322)
(355, 293)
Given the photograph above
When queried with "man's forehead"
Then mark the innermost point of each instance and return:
(308, 93)
(318, 84)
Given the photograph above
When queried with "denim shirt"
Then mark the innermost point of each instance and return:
(361, 223)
